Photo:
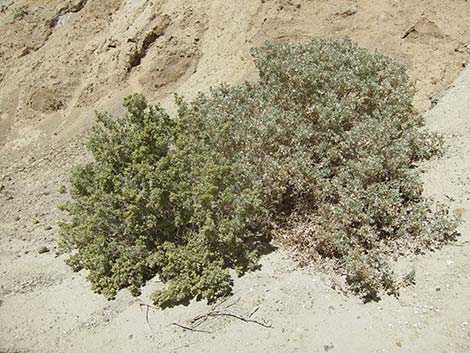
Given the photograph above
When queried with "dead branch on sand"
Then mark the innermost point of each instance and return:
(217, 311)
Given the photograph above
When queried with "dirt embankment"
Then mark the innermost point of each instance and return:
(61, 60)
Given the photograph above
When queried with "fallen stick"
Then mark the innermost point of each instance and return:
(189, 328)
(239, 317)
(147, 307)
(214, 312)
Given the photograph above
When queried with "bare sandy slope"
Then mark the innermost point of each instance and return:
(61, 60)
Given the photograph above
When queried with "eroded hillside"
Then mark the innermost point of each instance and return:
(60, 60)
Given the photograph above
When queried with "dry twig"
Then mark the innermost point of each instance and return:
(147, 308)
(189, 328)
(216, 312)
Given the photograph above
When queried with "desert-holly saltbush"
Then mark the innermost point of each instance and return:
(320, 151)
(330, 131)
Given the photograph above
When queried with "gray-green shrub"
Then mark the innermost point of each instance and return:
(320, 151)
(330, 131)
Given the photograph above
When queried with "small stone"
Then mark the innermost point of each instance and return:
(48, 228)
(43, 249)
(346, 13)
(434, 101)
(24, 52)
(438, 289)
(131, 337)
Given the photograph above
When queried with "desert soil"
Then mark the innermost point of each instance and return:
(60, 60)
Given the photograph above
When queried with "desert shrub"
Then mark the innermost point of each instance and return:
(158, 199)
(330, 132)
(320, 152)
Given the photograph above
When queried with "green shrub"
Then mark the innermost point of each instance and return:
(158, 199)
(320, 151)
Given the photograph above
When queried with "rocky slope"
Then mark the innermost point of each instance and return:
(60, 60)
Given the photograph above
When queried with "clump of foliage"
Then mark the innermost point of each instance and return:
(330, 131)
(158, 199)
(320, 151)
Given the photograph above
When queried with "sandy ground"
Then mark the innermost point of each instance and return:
(61, 60)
